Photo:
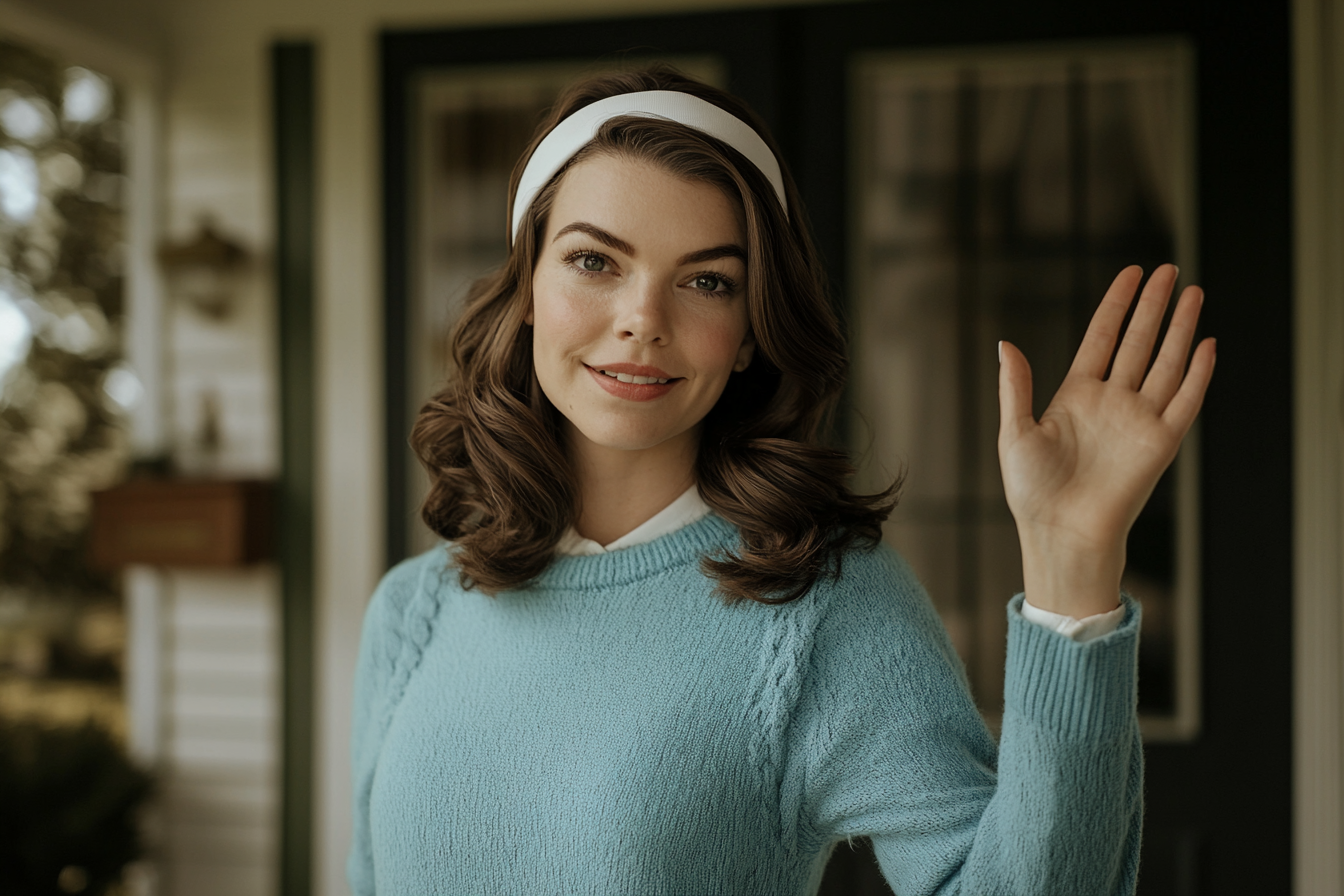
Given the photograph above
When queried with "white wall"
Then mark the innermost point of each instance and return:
(220, 774)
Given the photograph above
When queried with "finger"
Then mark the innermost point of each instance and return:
(1014, 393)
(1165, 377)
(1185, 404)
(1131, 361)
(1099, 340)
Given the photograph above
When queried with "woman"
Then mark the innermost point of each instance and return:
(665, 651)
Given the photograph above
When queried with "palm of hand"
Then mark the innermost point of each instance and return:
(1076, 480)
(1090, 464)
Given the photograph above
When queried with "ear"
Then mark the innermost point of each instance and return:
(531, 314)
(745, 352)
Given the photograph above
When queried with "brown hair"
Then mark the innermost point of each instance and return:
(501, 486)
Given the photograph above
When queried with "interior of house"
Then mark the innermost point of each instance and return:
(236, 236)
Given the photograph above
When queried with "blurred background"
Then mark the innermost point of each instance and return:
(233, 238)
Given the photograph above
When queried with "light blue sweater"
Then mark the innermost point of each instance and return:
(616, 729)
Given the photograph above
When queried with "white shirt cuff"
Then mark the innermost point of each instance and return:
(1081, 630)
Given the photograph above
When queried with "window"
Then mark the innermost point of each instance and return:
(996, 196)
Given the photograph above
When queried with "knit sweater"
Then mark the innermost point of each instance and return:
(615, 728)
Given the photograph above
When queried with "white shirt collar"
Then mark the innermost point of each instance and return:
(685, 510)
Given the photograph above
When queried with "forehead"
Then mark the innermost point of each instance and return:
(646, 205)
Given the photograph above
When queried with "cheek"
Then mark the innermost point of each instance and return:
(560, 323)
(716, 345)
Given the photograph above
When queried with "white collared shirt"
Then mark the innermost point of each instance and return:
(686, 509)
(689, 507)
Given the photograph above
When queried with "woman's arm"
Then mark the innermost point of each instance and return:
(396, 628)
(887, 743)
(1077, 479)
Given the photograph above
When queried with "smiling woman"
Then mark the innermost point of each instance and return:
(650, 251)
(664, 651)
(655, 321)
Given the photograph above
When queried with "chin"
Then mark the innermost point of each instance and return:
(625, 440)
(625, 435)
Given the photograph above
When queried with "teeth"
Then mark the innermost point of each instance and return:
(637, 380)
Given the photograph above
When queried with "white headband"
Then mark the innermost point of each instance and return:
(572, 134)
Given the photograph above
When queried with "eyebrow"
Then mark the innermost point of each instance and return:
(598, 234)
(728, 250)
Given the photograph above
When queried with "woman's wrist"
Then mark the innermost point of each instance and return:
(1064, 576)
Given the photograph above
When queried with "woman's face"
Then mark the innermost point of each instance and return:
(639, 308)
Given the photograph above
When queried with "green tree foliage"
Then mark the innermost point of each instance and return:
(62, 430)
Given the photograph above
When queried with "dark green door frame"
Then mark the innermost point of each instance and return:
(292, 79)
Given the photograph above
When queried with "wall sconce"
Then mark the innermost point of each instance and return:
(205, 271)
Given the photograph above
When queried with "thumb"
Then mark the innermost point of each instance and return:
(1014, 392)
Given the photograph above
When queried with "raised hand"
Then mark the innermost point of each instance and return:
(1077, 479)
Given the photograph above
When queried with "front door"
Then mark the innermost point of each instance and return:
(975, 171)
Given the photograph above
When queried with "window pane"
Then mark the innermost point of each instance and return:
(996, 194)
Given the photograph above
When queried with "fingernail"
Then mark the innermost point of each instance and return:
(1178, 269)
(1000, 351)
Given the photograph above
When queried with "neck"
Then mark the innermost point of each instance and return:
(620, 489)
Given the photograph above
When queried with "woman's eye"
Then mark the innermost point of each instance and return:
(594, 263)
(709, 282)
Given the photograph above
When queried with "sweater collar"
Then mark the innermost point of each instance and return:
(710, 534)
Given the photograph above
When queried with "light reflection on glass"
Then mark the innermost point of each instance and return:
(26, 118)
(123, 387)
(62, 171)
(16, 334)
(77, 328)
(105, 188)
(18, 184)
(88, 96)
(75, 333)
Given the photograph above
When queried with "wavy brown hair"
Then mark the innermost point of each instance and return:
(502, 487)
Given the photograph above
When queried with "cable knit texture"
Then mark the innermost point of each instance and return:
(614, 728)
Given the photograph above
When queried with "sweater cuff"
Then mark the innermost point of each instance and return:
(1083, 690)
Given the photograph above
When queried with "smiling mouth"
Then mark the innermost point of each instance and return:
(636, 380)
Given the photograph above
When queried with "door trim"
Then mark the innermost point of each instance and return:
(1318, 671)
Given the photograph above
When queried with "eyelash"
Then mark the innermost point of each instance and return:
(584, 253)
(730, 285)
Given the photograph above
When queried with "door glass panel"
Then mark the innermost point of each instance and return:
(471, 125)
(995, 196)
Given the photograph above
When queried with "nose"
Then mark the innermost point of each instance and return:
(642, 312)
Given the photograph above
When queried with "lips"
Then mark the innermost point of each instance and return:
(633, 382)
(640, 370)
